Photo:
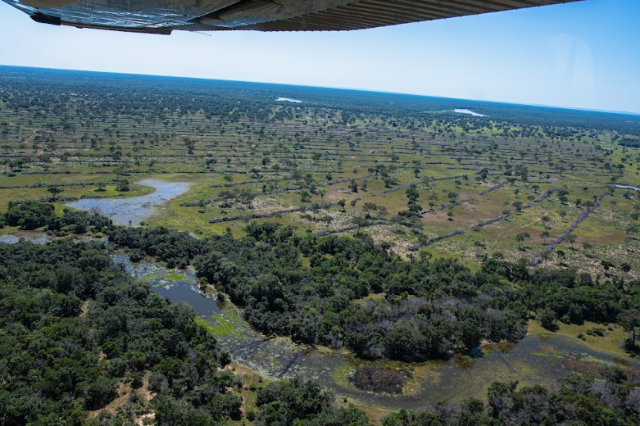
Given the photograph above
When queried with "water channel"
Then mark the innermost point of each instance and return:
(36, 238)
(534, 360)
(627, 187)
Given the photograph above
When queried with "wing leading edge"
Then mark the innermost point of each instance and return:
(162, 17)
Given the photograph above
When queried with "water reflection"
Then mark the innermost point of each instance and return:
(627, 187)
(39, 238)
(132, 211)
(532, 361)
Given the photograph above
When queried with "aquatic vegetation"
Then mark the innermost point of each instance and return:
(381, 379)
(342, 375)
(224, 323)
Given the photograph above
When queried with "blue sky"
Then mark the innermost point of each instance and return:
(580, 55)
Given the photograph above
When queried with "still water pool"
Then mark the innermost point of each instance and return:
(132, 211)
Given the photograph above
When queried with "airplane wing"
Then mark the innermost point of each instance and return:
(161, 17)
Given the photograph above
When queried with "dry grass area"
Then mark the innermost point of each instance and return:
(375, 414)
(142, 414)
(84, 308)
(123, 396)
(270, 204)
(251, 381)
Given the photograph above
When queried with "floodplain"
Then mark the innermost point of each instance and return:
(399, 250)
(246, 154)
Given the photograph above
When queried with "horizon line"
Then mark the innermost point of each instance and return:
(568, 108)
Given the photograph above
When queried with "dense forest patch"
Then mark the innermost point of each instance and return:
(430, 308)
(57, 364)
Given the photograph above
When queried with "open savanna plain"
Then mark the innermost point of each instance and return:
(504, 185)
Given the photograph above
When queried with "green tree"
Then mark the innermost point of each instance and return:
(545, 220)
(368, 207)
(360, 222)
(54, 190)
(548, 320)
(544, 235)
(630, 321)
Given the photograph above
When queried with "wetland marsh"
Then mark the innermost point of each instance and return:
(393, 249)
(536, 360)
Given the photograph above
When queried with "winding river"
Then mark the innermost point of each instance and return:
(534, 360)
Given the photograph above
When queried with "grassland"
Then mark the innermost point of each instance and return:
(247, 154)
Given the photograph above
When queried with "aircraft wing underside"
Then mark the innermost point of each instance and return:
(154, 16)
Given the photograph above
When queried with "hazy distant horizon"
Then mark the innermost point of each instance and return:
(630, 113)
